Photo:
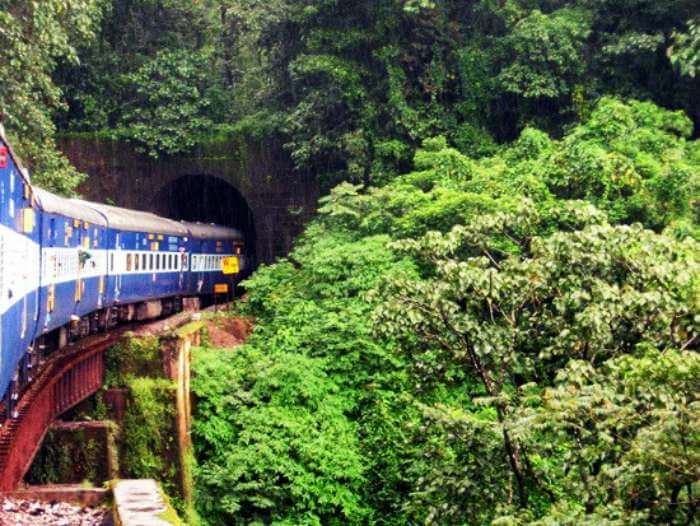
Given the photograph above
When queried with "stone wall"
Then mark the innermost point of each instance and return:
(280, 200)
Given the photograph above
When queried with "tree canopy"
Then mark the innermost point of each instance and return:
(513, 338)
(353, 87)
(493, 319)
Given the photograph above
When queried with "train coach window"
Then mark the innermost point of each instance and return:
(111, 262)
(150, 262)
(157, 265)
(136, 260)
(128, 262)
(143, 261)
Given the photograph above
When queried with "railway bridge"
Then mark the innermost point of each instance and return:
(76, 372)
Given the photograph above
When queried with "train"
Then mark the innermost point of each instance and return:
(70, 268)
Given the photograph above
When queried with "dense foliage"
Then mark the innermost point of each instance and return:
(353, 87)
(34, 37)
(493, 320)
(507, 340)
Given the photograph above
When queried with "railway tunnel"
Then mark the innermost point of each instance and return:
(207, 199)
(240, 182)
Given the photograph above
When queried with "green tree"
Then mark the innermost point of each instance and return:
(547, 54)
(169, 106)
(512, 309)
(628, 431)
(35, 37)
(273, 444)
(685, 52)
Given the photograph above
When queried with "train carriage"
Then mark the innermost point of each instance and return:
(148, 259)
(73, 265)
(19, 267)
(211, 246)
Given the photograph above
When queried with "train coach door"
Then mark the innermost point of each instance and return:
(183, 266)
(116, 269)
(198, 265)
(79, 261)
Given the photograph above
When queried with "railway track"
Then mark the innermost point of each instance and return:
(67, 378)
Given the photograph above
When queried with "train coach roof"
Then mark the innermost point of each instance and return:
(138, 221)
(73, 208)
(211, 231)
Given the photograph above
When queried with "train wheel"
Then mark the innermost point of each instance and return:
(84, 326)
(113, 317)
(94, 322)
(102, 320)
(63, 336)
(74, 331)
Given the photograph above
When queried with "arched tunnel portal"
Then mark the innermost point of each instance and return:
(207, 199)
(245, 183)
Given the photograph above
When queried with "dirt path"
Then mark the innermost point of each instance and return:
(226, 333)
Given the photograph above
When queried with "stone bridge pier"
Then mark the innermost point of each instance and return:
(245, 184)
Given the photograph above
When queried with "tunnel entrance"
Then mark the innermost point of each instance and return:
(208, 199)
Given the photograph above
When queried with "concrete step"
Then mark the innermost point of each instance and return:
(140, 503)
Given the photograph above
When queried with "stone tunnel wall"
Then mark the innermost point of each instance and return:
(280, 199)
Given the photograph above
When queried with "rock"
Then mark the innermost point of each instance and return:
(14, 512)
(35, 509)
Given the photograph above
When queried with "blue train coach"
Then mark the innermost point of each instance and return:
(69, 268)
(19, 267)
